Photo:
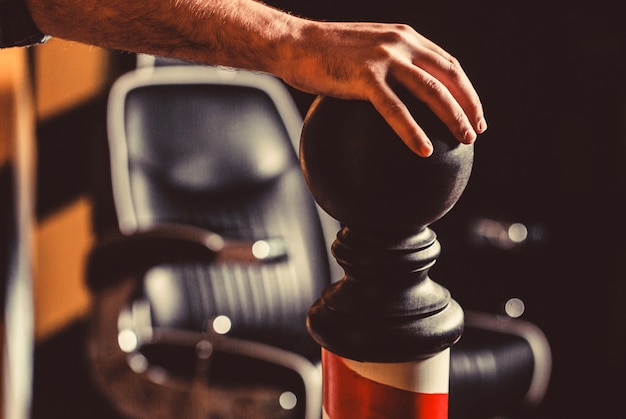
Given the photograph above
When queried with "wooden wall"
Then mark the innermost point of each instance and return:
(66, 76)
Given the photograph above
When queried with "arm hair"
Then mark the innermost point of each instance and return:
(237, 33)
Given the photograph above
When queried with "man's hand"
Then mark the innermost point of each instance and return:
(365, 60)
(347, 60)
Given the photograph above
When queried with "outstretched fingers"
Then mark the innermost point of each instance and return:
(440, 100)
(366, 61)
(436, 78)
(397, 115)
(444, 68)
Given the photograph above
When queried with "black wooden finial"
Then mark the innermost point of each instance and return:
(386, 308)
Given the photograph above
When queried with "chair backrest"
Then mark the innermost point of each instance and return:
(216, 148)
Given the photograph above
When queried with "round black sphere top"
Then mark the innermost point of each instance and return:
(363, 175)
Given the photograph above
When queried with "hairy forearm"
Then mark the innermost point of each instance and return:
(350, 60)
(238, 33)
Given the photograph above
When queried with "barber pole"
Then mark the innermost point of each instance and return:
(386, 328)
(370, 390)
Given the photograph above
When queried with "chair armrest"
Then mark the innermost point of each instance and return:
(501, 366)
(118, 255)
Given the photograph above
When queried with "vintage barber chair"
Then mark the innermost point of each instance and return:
(201, 296)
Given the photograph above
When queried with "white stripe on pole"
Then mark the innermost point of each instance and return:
(429, 376)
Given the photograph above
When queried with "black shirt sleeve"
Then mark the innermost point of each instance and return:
(16, 25)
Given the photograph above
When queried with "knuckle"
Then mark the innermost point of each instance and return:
(453, 68)
(403, 28)
(391, 108)
(395, 109)
(434, 88)
(459, 118)
(397, 33)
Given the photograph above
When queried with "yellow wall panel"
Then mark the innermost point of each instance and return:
(62, 241)
(67, 73)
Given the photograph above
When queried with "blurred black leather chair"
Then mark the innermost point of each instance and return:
(201, 296)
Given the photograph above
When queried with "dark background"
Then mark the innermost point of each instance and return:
(552, 78)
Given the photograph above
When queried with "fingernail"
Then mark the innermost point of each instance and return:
(427, 148)
(482, 125)
(469, 136)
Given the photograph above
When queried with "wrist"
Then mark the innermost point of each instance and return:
(297, 50)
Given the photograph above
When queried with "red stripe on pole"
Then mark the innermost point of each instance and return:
(348, 395)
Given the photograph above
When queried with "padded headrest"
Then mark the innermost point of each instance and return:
(244, 147)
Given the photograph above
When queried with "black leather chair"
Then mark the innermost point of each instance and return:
(201, 296)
